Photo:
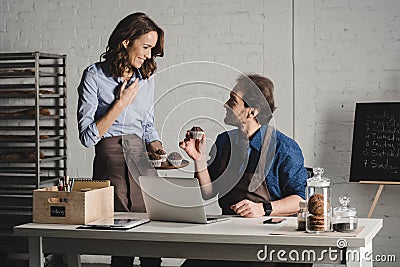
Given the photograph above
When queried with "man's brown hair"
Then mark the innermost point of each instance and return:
(254, 87)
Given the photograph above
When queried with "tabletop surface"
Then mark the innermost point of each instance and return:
(236, 230)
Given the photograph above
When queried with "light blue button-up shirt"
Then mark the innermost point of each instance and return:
(97, 92)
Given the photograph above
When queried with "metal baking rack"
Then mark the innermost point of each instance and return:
(30, 81)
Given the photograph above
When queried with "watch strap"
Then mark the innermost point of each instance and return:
(267, 208)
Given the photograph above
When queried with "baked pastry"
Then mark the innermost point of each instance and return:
(12, 71)
(11, 156)
(42, 111)
(30, 112)
(44, 92)
(316, 204)
(318, 220)
(155, 159)
(32, 155)
(316, 223)
(24, 92)
(162, 153)
(15, 136)
(154, 156)
(175, 158)
(196, 133)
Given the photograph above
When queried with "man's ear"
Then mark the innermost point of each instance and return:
(125, 43)
(253, 112)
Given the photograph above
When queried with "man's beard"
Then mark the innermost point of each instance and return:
(231, 119)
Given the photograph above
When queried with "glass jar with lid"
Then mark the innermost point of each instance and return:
(301, 216)
(344, 217)
(319, 208)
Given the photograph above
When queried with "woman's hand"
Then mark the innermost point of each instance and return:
(195, 148)
(126, 97)
(154, 146)
(128, 94)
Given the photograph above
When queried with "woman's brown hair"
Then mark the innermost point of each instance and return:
(131, 28)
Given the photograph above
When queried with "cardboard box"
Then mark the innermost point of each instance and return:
(53, 206)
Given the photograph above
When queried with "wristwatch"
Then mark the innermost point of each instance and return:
(267, 208)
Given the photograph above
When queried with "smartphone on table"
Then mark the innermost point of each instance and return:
(273, 220)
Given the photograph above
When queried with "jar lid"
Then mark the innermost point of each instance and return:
(344, 210)
(317, 180)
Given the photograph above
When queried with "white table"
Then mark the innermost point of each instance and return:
(236, 239)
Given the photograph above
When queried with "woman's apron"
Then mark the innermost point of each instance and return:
(122, 159)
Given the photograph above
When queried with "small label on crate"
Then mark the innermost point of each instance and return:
(57, 211)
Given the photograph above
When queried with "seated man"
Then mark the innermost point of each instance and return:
(255, 169)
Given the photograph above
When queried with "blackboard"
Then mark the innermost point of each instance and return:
(376, 142)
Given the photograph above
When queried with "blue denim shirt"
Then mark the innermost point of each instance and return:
(284, 176)
(97, 92)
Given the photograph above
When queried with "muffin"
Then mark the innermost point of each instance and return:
(162, 153)
(155, 160)
(196, 133)
(175, 158)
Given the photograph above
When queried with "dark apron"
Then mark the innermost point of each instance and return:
(251, 186)
(122, 159)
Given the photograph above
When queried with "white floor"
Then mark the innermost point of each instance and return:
(21, 260)
(104, 261)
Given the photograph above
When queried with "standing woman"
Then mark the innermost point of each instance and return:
(115, 113)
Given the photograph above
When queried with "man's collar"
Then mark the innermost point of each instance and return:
(256, 141)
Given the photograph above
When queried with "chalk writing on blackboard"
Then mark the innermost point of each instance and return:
(376, 142)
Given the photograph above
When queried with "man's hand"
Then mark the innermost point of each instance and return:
(248, 209)
(195, 148)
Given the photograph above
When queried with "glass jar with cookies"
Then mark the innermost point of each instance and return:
(319, 208)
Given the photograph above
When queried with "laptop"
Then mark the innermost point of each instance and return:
(175, 200)
(114, 224)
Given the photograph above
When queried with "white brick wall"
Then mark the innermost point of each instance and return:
(344, 51)
(356, 59)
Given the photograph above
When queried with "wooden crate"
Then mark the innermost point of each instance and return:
(53, 206)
